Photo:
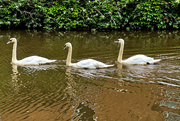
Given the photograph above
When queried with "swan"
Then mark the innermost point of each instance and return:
(136, 59)
(32, 60)
(88, 63)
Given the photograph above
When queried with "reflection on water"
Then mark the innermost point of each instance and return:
(83, 113)
(91, 73)
(123, 92)
(15, 78)
(169, 116)
(170, 104)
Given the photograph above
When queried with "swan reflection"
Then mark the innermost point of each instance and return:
(71, 83)
(15, 77)
(119, 69)
(92, 73)
(140, 73)
(41, 67)
(29, 69)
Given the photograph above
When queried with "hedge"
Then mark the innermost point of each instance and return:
(89, 14)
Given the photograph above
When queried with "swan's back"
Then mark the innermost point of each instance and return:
(35, 60)
(91, 63)
(141, 59)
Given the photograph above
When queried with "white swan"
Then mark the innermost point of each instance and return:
(88, 63)
(136, 59)
(32, 60)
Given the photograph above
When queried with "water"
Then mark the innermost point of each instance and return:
(56, 92)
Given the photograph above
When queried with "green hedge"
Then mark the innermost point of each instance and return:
(89, 14)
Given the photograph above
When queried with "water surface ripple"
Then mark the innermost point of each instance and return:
(123, 92)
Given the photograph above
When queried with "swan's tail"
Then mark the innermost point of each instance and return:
(52, 61)
(104, 66)
(155, 61)
(49, 61)
(108, 65)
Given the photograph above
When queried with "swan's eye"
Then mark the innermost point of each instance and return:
(10, 40)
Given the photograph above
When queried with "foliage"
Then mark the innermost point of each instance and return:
(87, 14)
(152, 14)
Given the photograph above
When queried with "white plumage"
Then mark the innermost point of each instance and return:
(35, 60)
(141, 59)
(90, 63)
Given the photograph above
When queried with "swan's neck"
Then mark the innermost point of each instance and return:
(14, 59)
(68, 61)
(120, 53)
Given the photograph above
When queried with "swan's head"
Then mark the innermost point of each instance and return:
(68, 44)
(12, 40)
(119, 41)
